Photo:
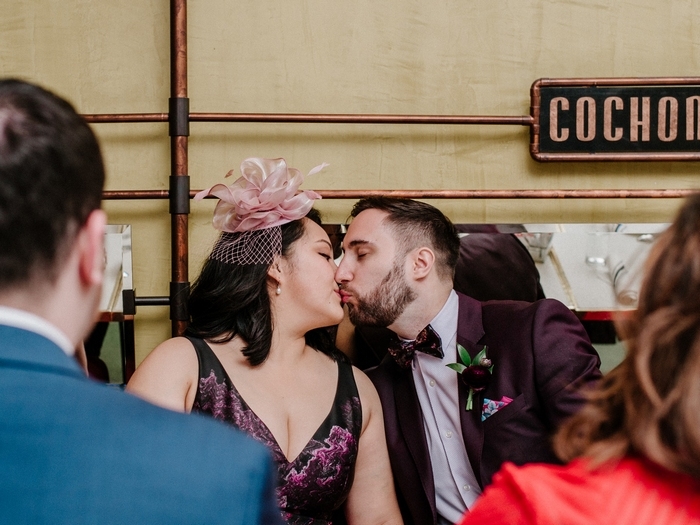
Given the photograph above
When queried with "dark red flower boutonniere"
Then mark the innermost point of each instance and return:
(475, 373)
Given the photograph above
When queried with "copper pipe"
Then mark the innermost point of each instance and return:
(507, 194)
(178, 48)
(110, 195)
(447, 194)
(327, 118)
(180, 63)
(621, 81)
(179, 163)
(99, 118)
(598, 157)
(360, 118)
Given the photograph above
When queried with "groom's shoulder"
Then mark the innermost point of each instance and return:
(508, 307)
(524, 310)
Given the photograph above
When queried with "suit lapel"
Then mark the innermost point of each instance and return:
(470, 330)
(411, 422)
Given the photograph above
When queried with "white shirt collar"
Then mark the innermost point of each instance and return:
(445, 322)
(33, 323)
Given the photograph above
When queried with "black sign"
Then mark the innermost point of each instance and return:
(616, 122)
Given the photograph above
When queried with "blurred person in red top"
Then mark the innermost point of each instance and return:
(634, 449)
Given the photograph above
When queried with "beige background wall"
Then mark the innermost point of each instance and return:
(471, 57)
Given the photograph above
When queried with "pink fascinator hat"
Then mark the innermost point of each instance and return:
(251, 210)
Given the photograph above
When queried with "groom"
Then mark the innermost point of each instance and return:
(449, 434)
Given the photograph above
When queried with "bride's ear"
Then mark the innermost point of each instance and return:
(275, 271)
(276, 275)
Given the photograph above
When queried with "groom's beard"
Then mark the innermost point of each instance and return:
(383, 305)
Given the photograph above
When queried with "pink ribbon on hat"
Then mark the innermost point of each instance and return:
(265, 195)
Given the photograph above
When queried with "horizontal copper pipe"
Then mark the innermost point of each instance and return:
(629, 157)
(109, 317)
(620, 81)
(360, 119)
(396, 119)
(448, 194)
(506, 194)
(126, 117)
(318, 118)
(111, 195)
(393, 119)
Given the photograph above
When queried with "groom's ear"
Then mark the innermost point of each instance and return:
(422, 261)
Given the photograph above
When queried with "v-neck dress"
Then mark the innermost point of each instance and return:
(318, 480)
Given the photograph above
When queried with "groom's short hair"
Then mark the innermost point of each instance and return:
(51, 179)
(415, 224)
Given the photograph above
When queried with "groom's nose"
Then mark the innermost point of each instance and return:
(343, 273)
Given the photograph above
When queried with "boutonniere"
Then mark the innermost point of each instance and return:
(475, 373)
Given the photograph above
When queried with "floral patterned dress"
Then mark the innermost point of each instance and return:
(318, 480)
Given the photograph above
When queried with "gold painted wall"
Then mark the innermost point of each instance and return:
(470, 57)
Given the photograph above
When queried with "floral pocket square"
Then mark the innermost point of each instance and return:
(491, 407)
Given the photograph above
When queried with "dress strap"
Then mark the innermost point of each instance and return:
(347, 388)
(208, 362)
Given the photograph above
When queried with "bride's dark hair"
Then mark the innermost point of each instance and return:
(229, 300)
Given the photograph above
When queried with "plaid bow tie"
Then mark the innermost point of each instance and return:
(428, 341)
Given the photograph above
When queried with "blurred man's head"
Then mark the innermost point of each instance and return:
(51, 225)
(51, 178)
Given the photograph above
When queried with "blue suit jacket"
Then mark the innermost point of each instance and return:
(541, 358)
(76, 451)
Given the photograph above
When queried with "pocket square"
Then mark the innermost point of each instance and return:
(491, 406)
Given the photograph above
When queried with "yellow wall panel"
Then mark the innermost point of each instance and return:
(457, 57)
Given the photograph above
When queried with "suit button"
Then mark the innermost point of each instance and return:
(448, 434)
(467, 488)
(432, 382)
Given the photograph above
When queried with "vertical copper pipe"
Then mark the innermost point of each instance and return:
(178, 49)
(178, 152)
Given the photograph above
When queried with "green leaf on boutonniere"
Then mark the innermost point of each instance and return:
(481, 355)
(463, 355)
(457, 367)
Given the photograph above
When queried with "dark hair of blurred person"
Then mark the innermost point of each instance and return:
(52, 178)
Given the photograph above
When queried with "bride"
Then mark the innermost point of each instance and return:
(258, 354)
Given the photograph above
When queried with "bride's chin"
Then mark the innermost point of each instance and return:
(337, 318)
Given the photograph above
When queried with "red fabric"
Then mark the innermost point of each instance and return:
(634, 492)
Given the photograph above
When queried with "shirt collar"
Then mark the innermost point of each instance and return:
(33, 323)
(445, 322)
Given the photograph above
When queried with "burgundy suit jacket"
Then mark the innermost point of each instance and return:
(541, 357)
